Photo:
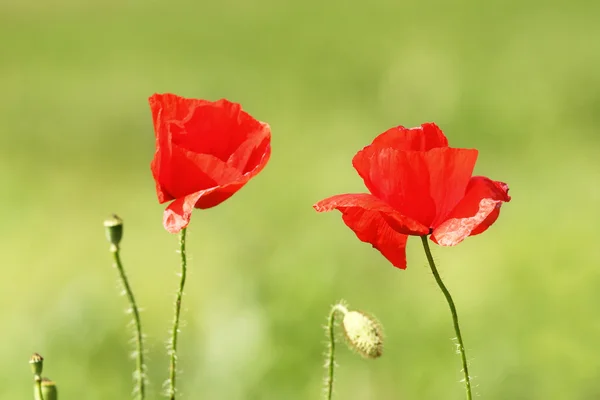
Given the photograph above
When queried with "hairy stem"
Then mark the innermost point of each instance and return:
(461, 347)
(330, 362)
(175, 331)
(139, 339)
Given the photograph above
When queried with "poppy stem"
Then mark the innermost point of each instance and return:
(140, 367)
(38, 388)
(175, 331)
(461, 347)
(330, 361)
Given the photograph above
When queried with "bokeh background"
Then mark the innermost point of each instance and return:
(519, 80)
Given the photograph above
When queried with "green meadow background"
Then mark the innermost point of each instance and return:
(519, 80)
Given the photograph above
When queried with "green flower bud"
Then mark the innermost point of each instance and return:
(363, 334)
(114, 230)
(49, 390)
(37, 363)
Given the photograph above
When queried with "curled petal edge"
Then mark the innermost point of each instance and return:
(398, 222)
(369, 226)
(453, 231)
(461, 223)
(178, 214)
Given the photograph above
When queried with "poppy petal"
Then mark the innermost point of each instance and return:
(374, 222)
(421, 185)
(370, 227)
(397, 221)
(450, 172)
(250, 152)
(221, 193)
(223, 125)
(160, 165)
(400, 178)
(478, 209)
(425, 137)
(210, 127)
(503, 187)
(178, 214)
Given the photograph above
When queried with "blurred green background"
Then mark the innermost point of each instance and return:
(519, 80)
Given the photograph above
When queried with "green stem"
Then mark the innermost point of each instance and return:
(38, 388)
(461, 346)
(175, 331)
(330, 363)
(139, 339)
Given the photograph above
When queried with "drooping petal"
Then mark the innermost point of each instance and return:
(420, 185)
(503, 187)
(178, 214)
(368, 202)
(487, 222)
(364, 214)
(478, 209)
(371, 228)
(425, 137)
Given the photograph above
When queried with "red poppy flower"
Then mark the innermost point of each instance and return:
(419, 186)
(205, 152)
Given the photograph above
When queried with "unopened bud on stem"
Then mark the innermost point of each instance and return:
(363, 333)
(114, 230)
(37, 364)
(49, 390)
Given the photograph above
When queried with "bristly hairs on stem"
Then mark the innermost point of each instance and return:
(460, 344)
(114, 234)
(172, 345)
(363, 333)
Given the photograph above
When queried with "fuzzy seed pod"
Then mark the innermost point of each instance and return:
(363, 334)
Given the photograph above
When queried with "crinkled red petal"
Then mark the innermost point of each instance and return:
(425, 137)
(478, 210)
(376, 223)
(424, 186)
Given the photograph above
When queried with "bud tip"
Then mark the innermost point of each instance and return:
(37, 363)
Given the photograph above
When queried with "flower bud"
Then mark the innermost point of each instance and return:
(114, 230)
(37, 363)
(363, 334)
(49, 390)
